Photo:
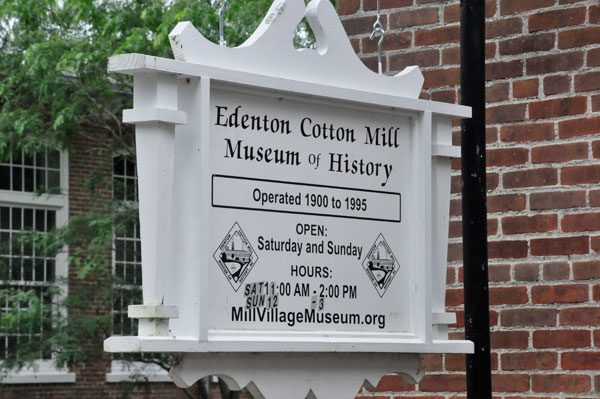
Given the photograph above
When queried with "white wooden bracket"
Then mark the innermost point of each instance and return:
(155, 115)
(292, 376)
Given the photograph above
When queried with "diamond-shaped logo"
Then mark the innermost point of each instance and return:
(381, 265)
(235, 256)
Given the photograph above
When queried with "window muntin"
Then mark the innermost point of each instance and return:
(31, 173)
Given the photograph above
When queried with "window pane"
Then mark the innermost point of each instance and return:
(17, 179)
(29, 183)
(53, 181)
(4, 218)
(53, 159)
(40, 179)
(28, 219)
(28, 160)
(4, 177)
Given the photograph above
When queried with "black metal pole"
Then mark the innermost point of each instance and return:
(474, 219)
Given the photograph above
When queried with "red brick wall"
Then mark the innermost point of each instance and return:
(543, 156)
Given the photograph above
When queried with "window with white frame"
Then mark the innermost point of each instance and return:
(127, 269)
(32, 199)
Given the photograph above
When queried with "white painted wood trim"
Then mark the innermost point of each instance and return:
(443, 318)
(134, 64)
(146, 115)
(122, 371)
(118, 344)
(44, 372)
(444, 150)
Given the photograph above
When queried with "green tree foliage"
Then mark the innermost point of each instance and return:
(54, 89)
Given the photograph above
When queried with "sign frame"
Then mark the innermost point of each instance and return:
(173, 317)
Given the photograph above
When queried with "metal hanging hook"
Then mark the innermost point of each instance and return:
(378, 29)
(223, 3)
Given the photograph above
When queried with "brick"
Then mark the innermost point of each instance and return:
(455, 207)
(527, 44)
(425, 58)
(587, 82)
(490, 50)
(525, 88)
(451, 56)
(503, 70)
(527, 133)
(491, 135)
(561, 339)
(507, 249)
(556, 19)
(406, 18)
(433, 361)
(530, 178)
(556, 271)
(507, 156)
(529, 361)
(567, 383)
(505, 113)
(496, 93)
(447, 34)
(596, 103)
(346, 7)
(584, 316)
(578, 37)
(455, 362)
(510, 383)
(506, 202)
(515, 6)
(509, 339)
(596, 293)
(452, 13)
(595, 243)
(527, 272)
(498, 273)
(559, 246)
(508, 295)
(556, 200)
(589, 270)
(392, 383)
(580, 360)
(559, 153)
(579, 127)
(454, 296)
(581, 222)
(503, 27)
(580, 174)
(557, 107)
(567, 293)
(443, 383)
(455, 252)
(441, 77)
(554, 63)
(529, 224)
(594, 57)
(596, 149)
(392, 41)
(371, 5)
(595, 198)
(594, 14)
(446, 96)
(557, 84)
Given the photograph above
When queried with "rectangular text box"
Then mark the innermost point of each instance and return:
(303, 198)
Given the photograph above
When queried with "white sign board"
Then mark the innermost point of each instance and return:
(290, 202)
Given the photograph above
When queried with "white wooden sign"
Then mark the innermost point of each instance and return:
(294, 210)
